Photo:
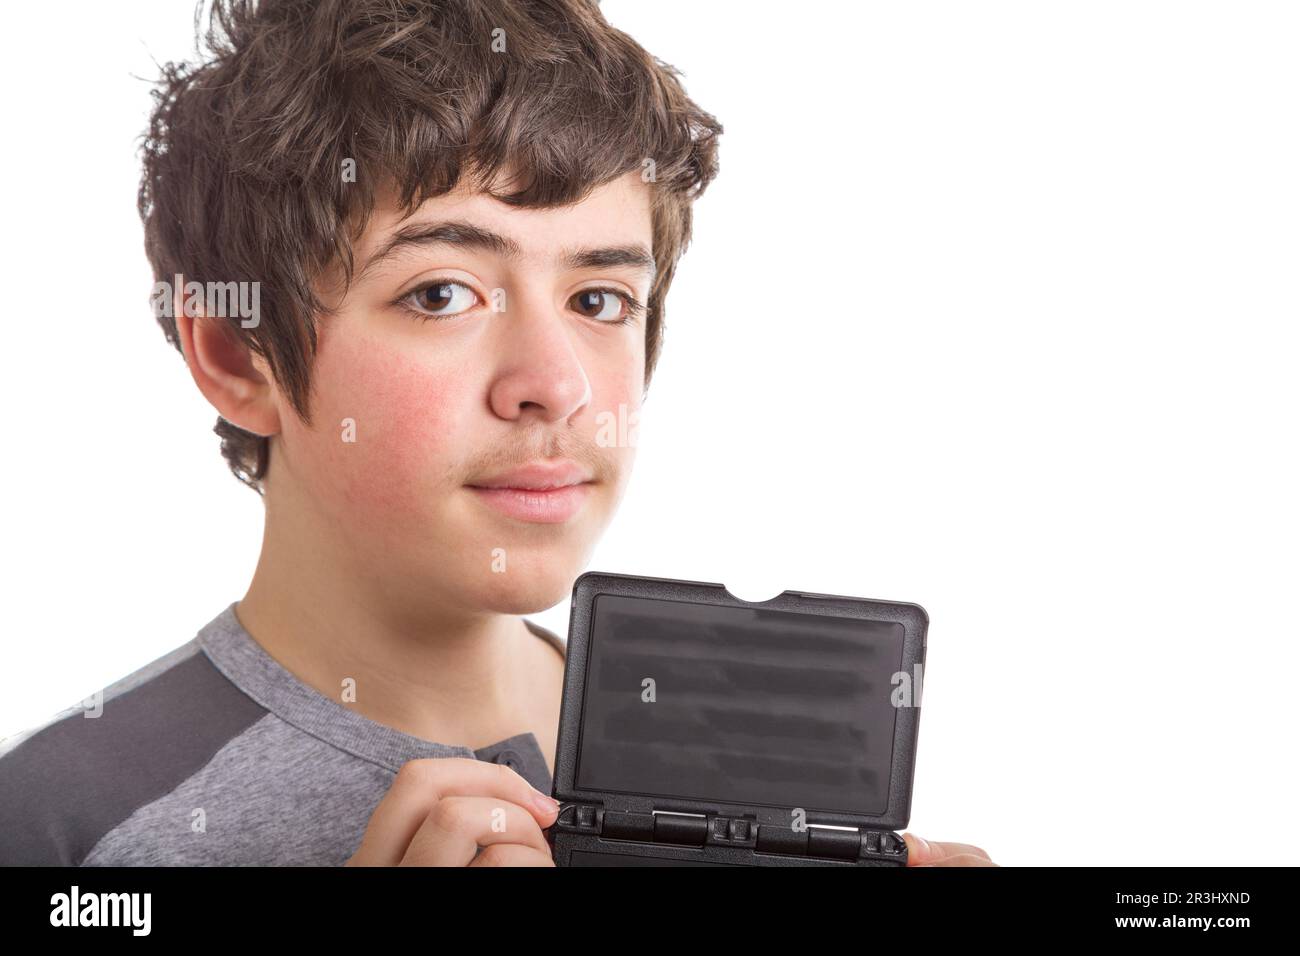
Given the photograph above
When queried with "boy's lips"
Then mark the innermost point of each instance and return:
(547, 493)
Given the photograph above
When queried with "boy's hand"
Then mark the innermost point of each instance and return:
(440, 811)
(932, 853)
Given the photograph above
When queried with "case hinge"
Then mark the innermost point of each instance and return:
(832, 843)
(692, 829)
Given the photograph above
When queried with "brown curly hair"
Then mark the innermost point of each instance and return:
(242, 157)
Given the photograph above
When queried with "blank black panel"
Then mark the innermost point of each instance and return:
(593, 858)
(751, 705)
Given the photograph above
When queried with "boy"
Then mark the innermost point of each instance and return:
(455, 223)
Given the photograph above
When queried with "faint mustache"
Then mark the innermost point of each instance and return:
(603, 466)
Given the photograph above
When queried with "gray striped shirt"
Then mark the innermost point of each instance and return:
(213, 754)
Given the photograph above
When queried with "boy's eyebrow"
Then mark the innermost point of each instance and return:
(467, 235)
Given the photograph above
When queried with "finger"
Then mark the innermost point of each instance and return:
(512, 854)
(458, 826)
(922, 852)
(419, 785)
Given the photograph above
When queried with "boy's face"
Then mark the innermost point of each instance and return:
(453, 364)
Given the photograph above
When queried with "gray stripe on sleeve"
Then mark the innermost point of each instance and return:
(65, 785)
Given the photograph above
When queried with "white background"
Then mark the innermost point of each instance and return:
(993, 308)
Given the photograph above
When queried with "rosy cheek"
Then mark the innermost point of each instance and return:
(616, 392)
(612, 423)
(405, 409)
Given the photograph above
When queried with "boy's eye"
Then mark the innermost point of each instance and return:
(595, 304)
(433, 300)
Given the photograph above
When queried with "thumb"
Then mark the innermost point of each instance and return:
(922, 852)
(919, 851)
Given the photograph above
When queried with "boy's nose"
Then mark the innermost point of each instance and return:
(540, 371)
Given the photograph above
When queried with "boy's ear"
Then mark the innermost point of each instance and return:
(231, 377)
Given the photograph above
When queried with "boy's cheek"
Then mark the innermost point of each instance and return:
(386, 435)
(615, 414)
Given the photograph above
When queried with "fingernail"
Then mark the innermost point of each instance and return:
(545, 803)
(921, 845)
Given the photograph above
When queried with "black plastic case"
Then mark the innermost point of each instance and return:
(624, 806)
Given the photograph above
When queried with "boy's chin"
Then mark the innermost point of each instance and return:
(518, 597)
(523, 588)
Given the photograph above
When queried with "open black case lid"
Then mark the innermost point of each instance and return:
(681, 698)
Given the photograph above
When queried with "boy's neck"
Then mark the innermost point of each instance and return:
(469, 679)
